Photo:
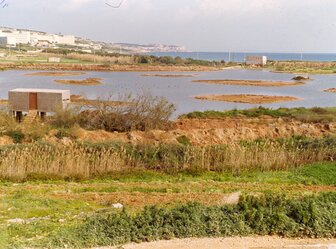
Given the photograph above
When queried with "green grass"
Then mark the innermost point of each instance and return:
(313, 174)
(316, 114)
(52, 201)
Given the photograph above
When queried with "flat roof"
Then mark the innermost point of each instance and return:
(37, 90)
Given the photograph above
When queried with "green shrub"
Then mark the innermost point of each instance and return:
(311, 216)
(17, 135)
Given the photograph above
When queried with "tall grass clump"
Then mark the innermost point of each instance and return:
(85, 160)
(310, 216)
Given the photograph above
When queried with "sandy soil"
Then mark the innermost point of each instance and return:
(169, 75)
(250, 83)
(55, 74)
(84, 82)
(331, 90)
(247, 98)
(235, 243)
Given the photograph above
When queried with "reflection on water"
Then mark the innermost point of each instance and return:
(180, 91)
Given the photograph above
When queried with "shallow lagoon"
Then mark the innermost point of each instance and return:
(180, 91)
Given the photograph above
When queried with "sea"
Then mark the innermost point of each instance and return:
(240, 57)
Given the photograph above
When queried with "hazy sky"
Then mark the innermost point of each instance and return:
(200, 25)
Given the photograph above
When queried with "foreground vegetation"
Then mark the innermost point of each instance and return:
(311, 216)
(87, 160)
(81, 213)
(77, 194)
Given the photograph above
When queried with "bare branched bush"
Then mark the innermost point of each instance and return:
(141, 112)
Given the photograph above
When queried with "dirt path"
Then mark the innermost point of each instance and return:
(235, 243)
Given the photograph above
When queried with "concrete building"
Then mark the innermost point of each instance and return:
(39, 102)
(256, 60)
(7, 41)
(65, 39)
(54, 60)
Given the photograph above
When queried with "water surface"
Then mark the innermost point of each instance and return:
(180, 91)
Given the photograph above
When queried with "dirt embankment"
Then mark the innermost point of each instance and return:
(218, 131)
(115, 68)
(250, 83)
(247, 98)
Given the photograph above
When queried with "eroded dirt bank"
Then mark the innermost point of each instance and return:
(218, 131)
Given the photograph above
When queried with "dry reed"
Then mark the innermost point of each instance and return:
(87, 161)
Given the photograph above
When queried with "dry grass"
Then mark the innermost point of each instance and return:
(247, 98)
(84, 82)
(250, 83)
(86, 161)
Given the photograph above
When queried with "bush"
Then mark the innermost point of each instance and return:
(311, 216)
(142, 112)
(64, 118)
(17, 135)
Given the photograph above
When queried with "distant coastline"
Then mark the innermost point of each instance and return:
(240, 57)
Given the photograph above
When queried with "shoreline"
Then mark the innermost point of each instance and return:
(256, 83)
(107, 68)
(246, 98)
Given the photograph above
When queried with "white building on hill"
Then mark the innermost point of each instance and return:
(256, 60)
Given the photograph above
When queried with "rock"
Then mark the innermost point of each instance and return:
(301, 77)
(16, 221)
(118, 205)
(232, 199)
(66, 141)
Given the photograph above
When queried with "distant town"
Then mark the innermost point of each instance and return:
(12, 37)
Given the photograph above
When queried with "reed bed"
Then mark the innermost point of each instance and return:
(84, 161)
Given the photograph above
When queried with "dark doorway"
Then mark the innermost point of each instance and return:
(32, 101)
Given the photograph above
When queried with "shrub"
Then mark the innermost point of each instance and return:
(310, 216)
(17, 135)
(142, 112)
(64, 118)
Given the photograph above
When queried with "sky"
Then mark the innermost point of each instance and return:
(199, 25)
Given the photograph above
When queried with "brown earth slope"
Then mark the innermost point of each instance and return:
(218, 131)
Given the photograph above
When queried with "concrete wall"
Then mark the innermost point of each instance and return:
(18, 101)
(46, 102)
